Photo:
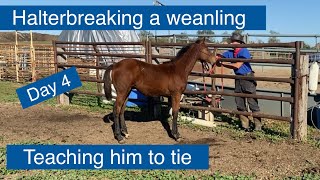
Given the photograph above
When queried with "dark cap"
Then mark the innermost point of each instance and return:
(237, 37)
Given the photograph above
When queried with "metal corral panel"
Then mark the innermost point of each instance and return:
(268, 106)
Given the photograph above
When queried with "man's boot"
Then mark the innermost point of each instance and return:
(257, 124)
(244, 122)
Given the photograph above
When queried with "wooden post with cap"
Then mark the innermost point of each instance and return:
(300, 95)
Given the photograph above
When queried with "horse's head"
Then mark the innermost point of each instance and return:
(204, 53)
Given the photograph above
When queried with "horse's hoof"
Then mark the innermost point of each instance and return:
(126, 136)
(122, 141)
(177, 137)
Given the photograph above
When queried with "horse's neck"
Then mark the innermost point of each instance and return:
(187, 61)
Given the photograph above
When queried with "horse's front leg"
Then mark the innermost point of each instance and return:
(123, 126)
(175, 110)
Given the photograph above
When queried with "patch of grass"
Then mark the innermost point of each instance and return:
(81, 102)
(34, 142)
(310, 176)
(314, 142)
(2, 155)
(314, 137)
(126, 174)
(272, 131)
(6, 172)
(8, 91)
(3, 170)
(8, 94)
(89, 103)
(93, 103)
(230, 128)
(305, 176)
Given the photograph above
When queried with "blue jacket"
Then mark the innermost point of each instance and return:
(244, 54)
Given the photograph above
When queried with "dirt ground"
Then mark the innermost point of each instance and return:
(267, 160)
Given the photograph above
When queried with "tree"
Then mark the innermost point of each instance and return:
(225, 39)
(306, 46)
(238, 31)
(273, 39)
(207, 32)
(143, 34)
(183, 37)
(259, 41)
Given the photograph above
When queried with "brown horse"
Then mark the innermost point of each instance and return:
(167, 79)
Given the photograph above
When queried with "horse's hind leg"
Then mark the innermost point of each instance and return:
(119, 108)
(123, 127)
(117, 112)
(117, 133)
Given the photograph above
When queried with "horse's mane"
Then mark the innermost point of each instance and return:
(180, 53)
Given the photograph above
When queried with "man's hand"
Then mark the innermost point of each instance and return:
(218, 62)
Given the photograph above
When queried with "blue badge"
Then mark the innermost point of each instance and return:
(49, 87)
(192, 156)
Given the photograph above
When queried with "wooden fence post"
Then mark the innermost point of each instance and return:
(16, 57)
(300, 94)
(33, 59)
(99, 87)
(303, 99)
(63, 98)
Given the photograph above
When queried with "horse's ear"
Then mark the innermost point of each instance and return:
(202, 40)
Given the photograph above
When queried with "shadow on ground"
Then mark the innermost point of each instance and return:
(144, 116)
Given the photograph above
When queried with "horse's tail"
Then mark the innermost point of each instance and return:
(108, 83)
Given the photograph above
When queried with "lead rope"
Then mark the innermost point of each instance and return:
(222, 72)
(218, 100)
(205, 68)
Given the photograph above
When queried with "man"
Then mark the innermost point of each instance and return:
(241, 85)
